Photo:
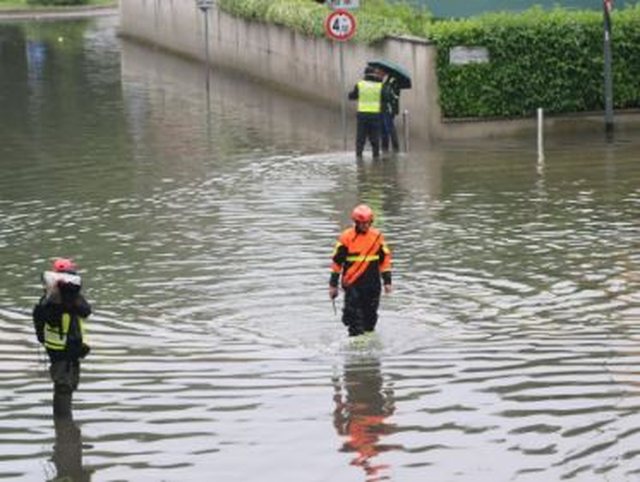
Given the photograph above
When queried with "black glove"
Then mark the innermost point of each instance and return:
(84, 350)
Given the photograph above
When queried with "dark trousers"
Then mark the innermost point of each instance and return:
(360, 312)
(389, 132)
(368, 128)
(65, 375)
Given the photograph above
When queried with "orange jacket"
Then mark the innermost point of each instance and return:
(361, 258)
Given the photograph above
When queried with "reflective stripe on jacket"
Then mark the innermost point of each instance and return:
(369, 96)
(361, 257)
(55, 336)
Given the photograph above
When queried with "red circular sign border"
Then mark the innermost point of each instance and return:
(330, 17)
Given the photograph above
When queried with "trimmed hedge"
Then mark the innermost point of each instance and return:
(376, 19)
(551, 59)
(538, 58)
(57, 3)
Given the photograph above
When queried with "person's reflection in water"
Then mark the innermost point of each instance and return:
(67, 452)
(380, 187)
(362, 405)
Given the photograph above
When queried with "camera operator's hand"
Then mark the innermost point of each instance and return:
(84, 351)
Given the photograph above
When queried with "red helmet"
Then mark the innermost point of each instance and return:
(362, 214)
(64, 265)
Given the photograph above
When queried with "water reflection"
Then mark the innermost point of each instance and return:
(267, 118)
(362, 404)
(379, 186)
(67, 453)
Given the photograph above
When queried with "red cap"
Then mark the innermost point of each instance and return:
(64, 265)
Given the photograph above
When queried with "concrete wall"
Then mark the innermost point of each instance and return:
(302, 65)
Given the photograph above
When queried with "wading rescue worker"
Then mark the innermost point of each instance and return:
(368, 93)
(363, 258)
(59, 321)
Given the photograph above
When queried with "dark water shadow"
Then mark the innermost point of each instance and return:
(67, 453)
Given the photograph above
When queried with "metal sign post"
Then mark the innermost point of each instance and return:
(340, 26)
(343, 100)
(607, 6)
(205, 6)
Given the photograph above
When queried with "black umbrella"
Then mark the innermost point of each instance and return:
(396, 70)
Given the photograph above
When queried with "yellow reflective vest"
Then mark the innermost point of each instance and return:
(369, 96)
(55, 337)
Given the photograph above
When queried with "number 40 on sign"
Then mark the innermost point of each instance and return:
(340, 25)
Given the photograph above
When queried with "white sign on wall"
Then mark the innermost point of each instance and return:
(468, 55)
(343, 4)
(204, 4)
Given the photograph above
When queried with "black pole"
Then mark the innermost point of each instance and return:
(608, 81)
(343, 98)
(205, 12)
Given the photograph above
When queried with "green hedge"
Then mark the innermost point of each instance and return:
(57, 3)
(550, 59)
(538, 58)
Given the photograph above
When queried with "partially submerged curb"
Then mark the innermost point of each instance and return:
(59, 12)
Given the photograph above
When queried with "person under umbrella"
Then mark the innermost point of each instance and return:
(397, 78)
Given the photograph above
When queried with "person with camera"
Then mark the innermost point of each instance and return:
(59, 320)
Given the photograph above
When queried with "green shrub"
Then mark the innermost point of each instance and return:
(57, 3)
(307, 17)
(551, 59)
(412, 16)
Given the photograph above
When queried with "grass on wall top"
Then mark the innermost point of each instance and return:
(376, 19)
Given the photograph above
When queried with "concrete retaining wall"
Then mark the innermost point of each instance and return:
(310, 67)
(303, 65)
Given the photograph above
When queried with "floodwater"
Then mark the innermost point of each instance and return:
(203, 227)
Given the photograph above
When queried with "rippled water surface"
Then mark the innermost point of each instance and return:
(203, 226)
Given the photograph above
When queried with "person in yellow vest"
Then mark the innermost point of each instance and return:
(59, 321)
(368, 93)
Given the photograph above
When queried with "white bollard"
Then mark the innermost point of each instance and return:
(405, 129)
(540, 134)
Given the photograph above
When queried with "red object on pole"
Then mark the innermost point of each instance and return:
(340, 25)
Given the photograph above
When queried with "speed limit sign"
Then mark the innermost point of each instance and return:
(340, 25)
